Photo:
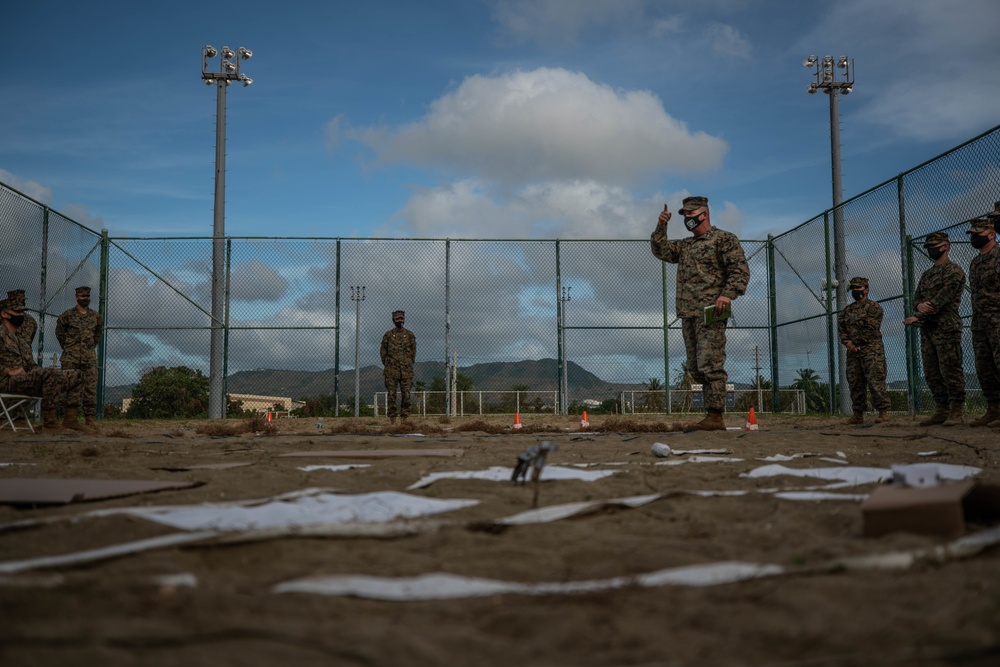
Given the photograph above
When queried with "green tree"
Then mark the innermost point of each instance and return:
(817, 393)
(165, 393)
(655, 399)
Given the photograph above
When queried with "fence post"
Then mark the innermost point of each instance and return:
(666, 336)
(336, 336)
(447, 325)
(912, 346)
(772, 314)
(102, 308)
(906, 259)
(559, 333)
(225, 329)
(41, 287)
(832, 341)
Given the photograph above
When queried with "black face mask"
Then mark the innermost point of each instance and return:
(398, 323)
(857, 294)
(83, 302)
(691, 223)
(16, 320)
(978, 240)
(935, 253)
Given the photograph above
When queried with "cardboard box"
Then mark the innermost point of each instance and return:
(935, 510)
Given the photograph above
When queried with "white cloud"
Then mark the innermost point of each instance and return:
(562, 22)
(547, 124)
(550, 209)
(927, 69)
(33, 189)
(728, 41)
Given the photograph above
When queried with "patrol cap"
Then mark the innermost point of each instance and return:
(83, 289)
(858, 282)
(16, 295)
(397, 314)
(983, 224)
(692, 203)
(935, 239)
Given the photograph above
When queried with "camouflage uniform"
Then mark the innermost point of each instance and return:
(861, 323)
(708, 266)
(941, 331)
(79, 334)
(30, 326)
(57, 388)
(399, 351)
(984, 283)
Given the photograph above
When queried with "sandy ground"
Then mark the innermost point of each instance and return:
(117, 611)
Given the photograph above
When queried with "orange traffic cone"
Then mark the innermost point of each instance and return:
(517, 420)
(584, 422)
(751, 421)
(270, 416)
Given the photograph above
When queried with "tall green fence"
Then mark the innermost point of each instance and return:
(600, 312)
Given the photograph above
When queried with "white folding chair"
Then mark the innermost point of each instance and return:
(15, 408)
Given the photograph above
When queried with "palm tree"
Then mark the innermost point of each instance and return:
(654, 400)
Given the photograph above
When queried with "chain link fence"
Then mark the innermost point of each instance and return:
(561, 324)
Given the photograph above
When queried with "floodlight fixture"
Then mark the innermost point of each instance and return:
(812, 88)
(210, 51)
(842, 62)
(246, 80)
(227, 53)
(245, 53)
(809, 62)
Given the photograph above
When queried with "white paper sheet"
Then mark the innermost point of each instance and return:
(306, 511)
(501, 474)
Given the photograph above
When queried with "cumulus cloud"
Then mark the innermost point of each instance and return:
(546, 124)
(548, 209)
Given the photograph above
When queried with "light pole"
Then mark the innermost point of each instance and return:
(229, 71)
(357, 296)
(564, 299)
(826, 80)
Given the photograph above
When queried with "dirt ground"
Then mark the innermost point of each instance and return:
(120, 611)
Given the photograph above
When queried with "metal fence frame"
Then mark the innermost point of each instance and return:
(792, 279)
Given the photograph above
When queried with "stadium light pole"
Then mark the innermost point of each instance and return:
(229, 71)
(564, 299)
(826, 80)
(357, 296)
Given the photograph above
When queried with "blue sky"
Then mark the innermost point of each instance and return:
(479, 118)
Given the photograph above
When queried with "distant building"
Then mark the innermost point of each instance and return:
(252, 402)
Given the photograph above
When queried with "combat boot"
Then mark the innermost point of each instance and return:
(939, 417)
(858, 418)
(712, 422)
(883, 417)
(954, 416)
(992, 415)
(71, 422)
(50, 423)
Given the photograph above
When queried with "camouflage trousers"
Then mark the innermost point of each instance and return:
(88, 387)
(706, 358)
(58, 388)
(941, 352)
(395, 377)
(866, 373)
(986, 345)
